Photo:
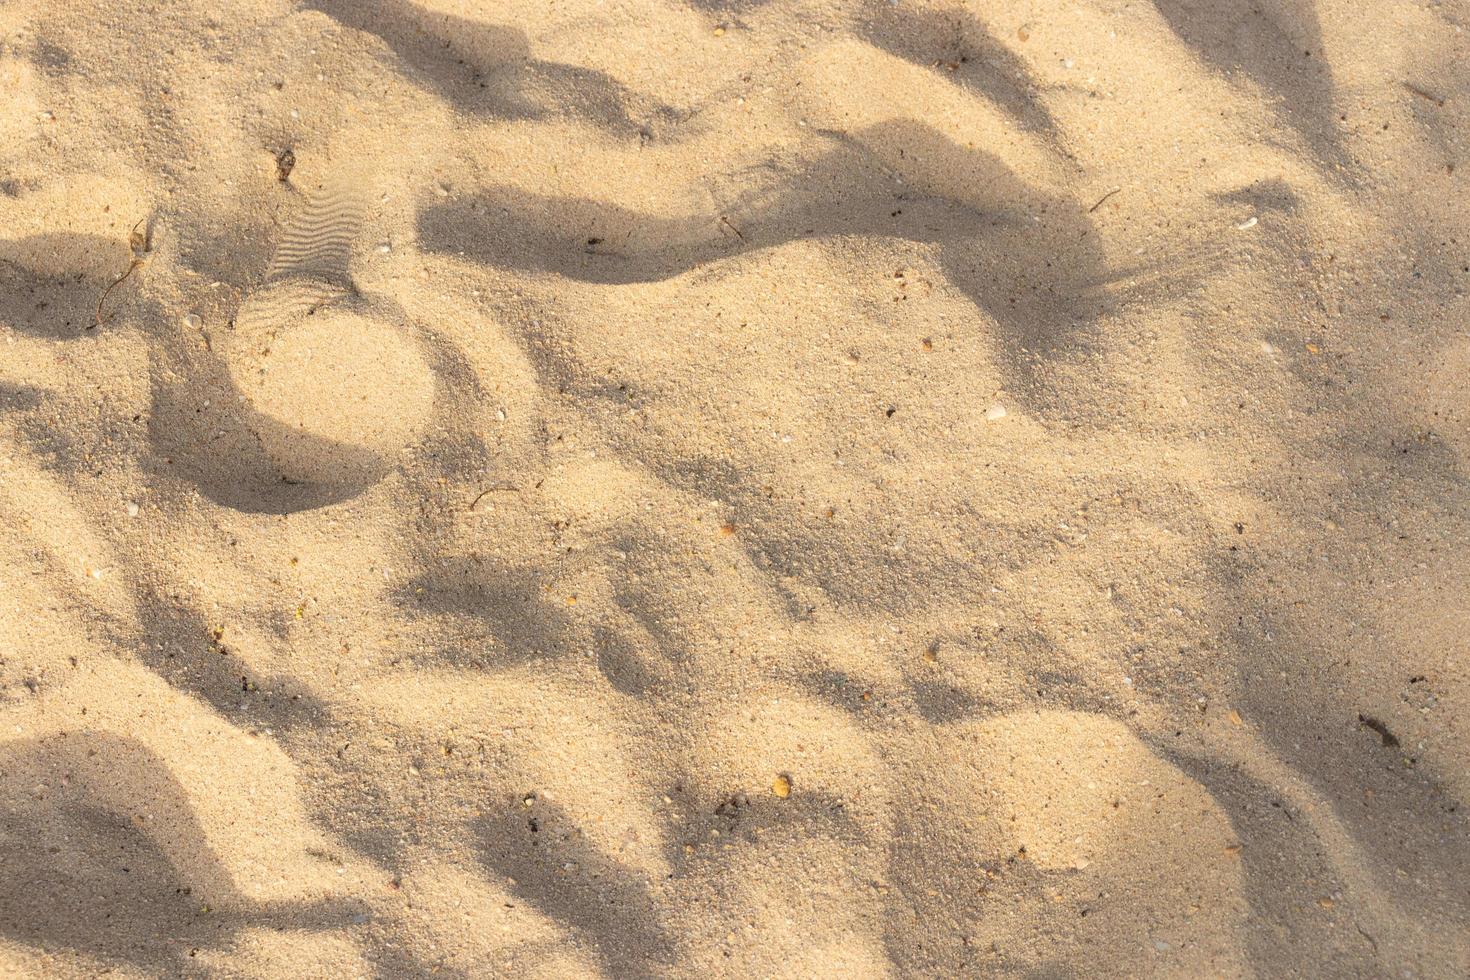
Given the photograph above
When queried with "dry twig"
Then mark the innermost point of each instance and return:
(139, 245)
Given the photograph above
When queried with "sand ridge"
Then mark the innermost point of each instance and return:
(660, 487)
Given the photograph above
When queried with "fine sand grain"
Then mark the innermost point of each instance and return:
(669, 488)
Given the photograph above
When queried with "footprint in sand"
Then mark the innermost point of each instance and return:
(335, 379)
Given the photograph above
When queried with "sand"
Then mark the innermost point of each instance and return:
(651, 488)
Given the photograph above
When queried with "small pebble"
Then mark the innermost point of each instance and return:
(995, 412)
(385, 248)
(1247, 224)
(193, 321)
(781, 786)
(132, 509)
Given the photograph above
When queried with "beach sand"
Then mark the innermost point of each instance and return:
(758, 489)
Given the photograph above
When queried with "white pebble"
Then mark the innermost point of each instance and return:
(1246, 224)
(385, 248)
(995, 412)
(193, 321)
(1267, 347)
(132, 509)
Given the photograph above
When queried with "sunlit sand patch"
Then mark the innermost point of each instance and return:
(342, 376)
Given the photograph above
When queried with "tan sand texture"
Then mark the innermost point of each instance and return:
(668, 488)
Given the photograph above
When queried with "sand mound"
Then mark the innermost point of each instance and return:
(747, 488)
(335, 390)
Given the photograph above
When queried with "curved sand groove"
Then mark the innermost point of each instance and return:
(748, 488)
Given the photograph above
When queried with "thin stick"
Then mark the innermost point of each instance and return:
(1101, 200)
(486, 493)
(1436, 99)
(97, 321)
